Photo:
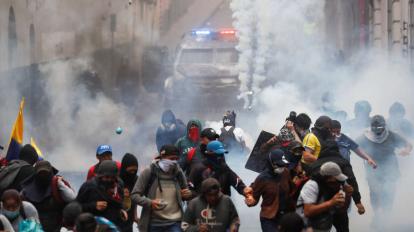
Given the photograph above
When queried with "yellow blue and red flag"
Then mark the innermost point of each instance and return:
(38, 151)
(16, 139)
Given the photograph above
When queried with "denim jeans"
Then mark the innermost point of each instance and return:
(176, 227)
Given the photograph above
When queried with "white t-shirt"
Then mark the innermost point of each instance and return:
(308, 195)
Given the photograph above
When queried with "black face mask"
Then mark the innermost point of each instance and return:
(107, 184)
(43, 180)
(128, 178)
(203, 148)
(215, 161)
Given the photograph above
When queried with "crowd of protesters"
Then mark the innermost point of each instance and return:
(307, 181)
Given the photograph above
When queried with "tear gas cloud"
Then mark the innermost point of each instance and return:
(289, 65)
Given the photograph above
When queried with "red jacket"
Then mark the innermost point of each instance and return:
(92, 174)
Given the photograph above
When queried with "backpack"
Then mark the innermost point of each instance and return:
(153, 176)
(9, 173)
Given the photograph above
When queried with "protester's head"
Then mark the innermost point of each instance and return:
(229, 118)
(323, 125)
(378, 125)
(285, 135)
(129, 168)
(70, 213)
(169, 155)
(215, 154)
(208, 135)
(28, 154)
(362, 109)
(277, 161)
(107, 173)
(168, 120)
(336, 128)
(11, 203)
(194, 129)
(332, 175)
(44, 173)
(302, 124)
(397, 110)
(291, 222)
(86, 223)
(104, 152)
(210, 191)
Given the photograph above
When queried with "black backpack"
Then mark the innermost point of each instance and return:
(9, 173)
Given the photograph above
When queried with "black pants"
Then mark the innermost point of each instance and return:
(341, 221)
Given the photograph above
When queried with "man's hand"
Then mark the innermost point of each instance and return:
(250, 201)
(348, 189)
(156, 204)
(248, 191)
(203, 228)
(186, 194)
(361, 208)
(124, 215)
(101, 205)
(372, 163)
(404, 152)
(337, 200)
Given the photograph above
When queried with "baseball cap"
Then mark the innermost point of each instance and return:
(44, 165)
(332, 169)
(168, 149)
(216, 147)
(103, 148)
(209, 133)
(278, 158)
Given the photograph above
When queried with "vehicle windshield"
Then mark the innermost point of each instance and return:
(227, 56)
(196, 56)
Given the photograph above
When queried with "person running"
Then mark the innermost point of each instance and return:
(212, 211)
(274, 185)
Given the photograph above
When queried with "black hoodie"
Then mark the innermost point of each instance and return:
(29, 155)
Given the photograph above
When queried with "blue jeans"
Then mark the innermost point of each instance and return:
(176, 227)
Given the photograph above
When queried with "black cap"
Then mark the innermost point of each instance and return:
(209, 133)
(107, 168)
(44, 165)
(168, 150)
(323, 122)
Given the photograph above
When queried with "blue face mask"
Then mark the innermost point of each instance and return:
(11, 215)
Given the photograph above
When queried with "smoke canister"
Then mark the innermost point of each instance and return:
(119, 130)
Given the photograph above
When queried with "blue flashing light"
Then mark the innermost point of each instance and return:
(201, 32)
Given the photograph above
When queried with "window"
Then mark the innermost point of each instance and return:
(196, 56)
(227, 56)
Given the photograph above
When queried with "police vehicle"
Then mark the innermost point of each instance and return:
(205, 70)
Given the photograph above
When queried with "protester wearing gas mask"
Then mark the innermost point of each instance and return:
(170, 130)
(383, 144)
(16, 210)
(161, 190)
(49, 193)
(274, 185)
(103, 195)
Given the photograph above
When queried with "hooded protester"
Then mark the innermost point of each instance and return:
(16, 210)
(69, 214)
(103, 152)
(191, 139)
(128, 174)
(212, 211)
(362, 111)
(49, 193)
(274, 185)
(322, 196)
(231, 136)
(382, 144)
(170, 130)
(397, 123)
(315, 141)
(22, 169)
(160, 190)
(215, 166)
(104, 194)
(196, 155)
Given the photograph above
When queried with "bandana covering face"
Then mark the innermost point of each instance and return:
(376, 138)
(194, 134)
(166, 164)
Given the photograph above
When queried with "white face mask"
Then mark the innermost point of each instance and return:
(278, 170)
(166, 164)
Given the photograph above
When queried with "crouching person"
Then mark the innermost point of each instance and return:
(212, 211)
(160, 190)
